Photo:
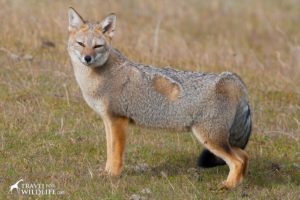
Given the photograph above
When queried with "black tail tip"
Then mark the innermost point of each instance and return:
(208, 160)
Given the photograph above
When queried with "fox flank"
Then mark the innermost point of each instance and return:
(214, 107)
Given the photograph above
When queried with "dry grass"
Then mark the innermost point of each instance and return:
(49, 135)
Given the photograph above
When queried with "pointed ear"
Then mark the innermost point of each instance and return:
(108, 25)
(75, 20)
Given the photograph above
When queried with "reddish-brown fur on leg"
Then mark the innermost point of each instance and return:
(116, 138)
(235, 158)
(243, 156)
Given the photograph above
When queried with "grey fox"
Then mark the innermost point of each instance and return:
(213, 106)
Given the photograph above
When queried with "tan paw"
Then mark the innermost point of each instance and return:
(226, 185)
(111, 172)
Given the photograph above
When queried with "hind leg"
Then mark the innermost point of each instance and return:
(243, 156)
(217, 142)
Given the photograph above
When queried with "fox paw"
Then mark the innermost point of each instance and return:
(226, 185)
(110, 172)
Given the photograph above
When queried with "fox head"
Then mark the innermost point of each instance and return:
(90, 42)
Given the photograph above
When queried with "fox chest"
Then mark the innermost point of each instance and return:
(97, 104)
(90, 91)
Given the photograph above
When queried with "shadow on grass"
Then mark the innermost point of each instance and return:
(262, 171)
(175, 165)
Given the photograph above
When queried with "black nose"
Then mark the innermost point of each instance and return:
(87, 58)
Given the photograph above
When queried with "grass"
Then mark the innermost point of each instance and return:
(49, 135)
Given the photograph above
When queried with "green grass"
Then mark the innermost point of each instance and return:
(49, 135)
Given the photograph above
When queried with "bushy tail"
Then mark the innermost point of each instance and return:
(240, 132)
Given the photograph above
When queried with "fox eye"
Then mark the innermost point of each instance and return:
(98, 46)
(81, 44)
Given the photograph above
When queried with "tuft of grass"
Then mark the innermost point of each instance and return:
(49, 135)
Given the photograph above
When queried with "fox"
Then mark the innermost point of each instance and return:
(214, 107)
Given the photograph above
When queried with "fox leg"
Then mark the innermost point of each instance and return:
(235, 158)
(115, 138)
(243, 156)
(108, 145)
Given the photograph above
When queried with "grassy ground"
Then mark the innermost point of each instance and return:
(49, 135)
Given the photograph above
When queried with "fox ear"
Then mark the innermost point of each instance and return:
(75, 20)
(108, 25)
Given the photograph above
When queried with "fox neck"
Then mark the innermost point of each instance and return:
(92, 79)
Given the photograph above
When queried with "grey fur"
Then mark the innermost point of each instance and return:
(215, 101)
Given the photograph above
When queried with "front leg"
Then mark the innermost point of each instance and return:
(108, 145)
(115, 128)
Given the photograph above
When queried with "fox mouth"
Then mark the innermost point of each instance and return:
(94, 61)
(87, 64)
(90, 64)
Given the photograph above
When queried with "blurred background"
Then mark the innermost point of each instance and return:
(43, 118)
